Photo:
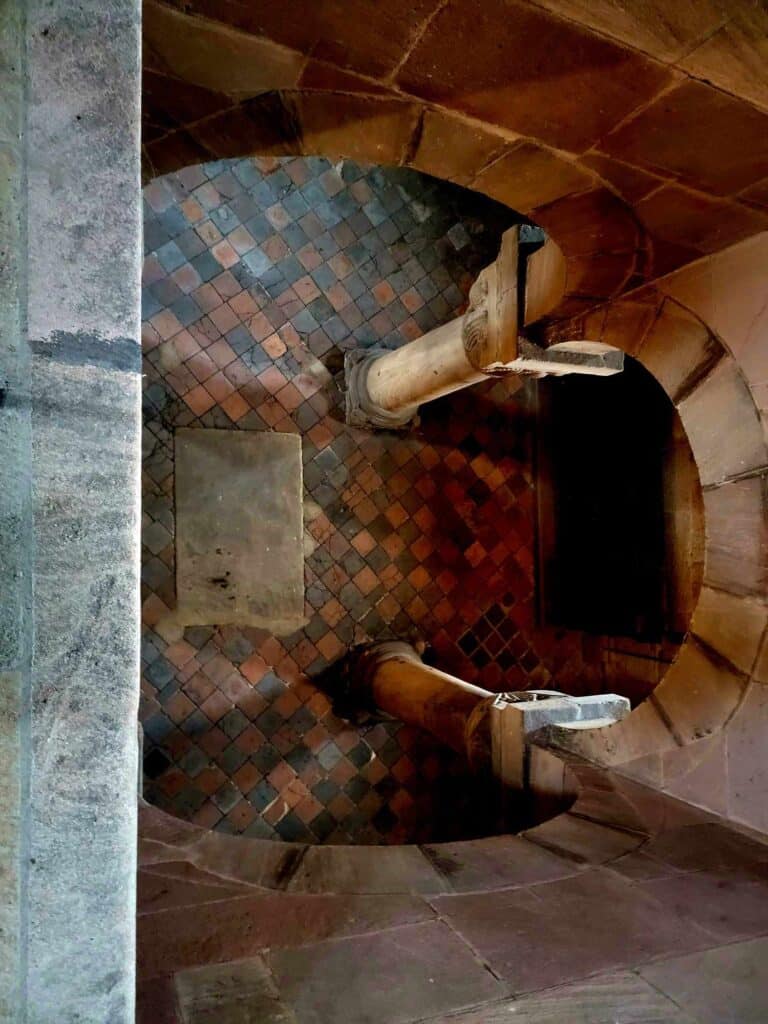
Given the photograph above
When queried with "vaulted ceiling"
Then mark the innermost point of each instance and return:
(635, 131)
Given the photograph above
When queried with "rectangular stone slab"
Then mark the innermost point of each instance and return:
(239, 552)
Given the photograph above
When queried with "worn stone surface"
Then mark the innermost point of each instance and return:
(215, 56)
(514, 63)
(242, 993)
(438, 153)
(83, 212)
(235, 929)
(496, 862)
(696, 221)
(679, 350)
(664, 31)
(583, 841)
(698, 693)
(674, 137)
(734, 57)
(363, 128)
(747, 770)
(527, 176)
(15, 522)
(722, 406)
(605, 1000)
(727, 908)
(239, 556)
(424, 969)
(365, 869)
(563, 930)
(737, 536)
(731, 625)
(719, 986)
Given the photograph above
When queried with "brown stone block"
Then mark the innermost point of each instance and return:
(737, 536)
(723, 426)
(423, 972)
(496, 863)
(299, 27)
(231, 993)
(528, 176)
(734, 57)
(747, 764)
(698, 694)
(598, 276)
(696, 221)
(592, 922)
(178, 149)
(172, 103)
(366, 869)
(669, 256)
(630, 182)
(453, 149)
(358, 127)
(370, 36)
(267, 126)
(512, 65)
(323, 77)
(679, 350)
(238, 928)
(594, 221)
(730, 624)
(156, 1002)
(738, 307)
(627, 321)
(157, 892)
(756, 195)
(585, 842)
(705, 138)
(216, 56)
(664, 30)
(698, 772)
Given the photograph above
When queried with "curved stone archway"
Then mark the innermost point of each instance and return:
(620, 225)
(678, 738)
(670, 735)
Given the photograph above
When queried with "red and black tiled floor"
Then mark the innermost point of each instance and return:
(259, 274)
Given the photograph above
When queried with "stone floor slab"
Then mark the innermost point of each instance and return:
(623, 998)
(239, 530)
(728, 985)
(236, 929)
(240, 993)
(728, 908)
(496, 863)
(561, 931)
(396, 976)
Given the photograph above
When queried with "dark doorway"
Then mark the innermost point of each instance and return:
(609, 456)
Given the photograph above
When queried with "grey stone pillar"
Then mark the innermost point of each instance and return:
(70, 262)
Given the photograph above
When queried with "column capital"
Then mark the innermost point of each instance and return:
(490, 325)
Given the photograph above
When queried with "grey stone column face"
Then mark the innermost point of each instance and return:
(69, 508)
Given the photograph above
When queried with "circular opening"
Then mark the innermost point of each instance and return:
(259, 275)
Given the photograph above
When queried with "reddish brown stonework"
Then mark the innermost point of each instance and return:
(258, 276)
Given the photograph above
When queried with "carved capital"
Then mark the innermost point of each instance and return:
(490, 324)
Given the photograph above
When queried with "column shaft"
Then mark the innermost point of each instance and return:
(429, 367)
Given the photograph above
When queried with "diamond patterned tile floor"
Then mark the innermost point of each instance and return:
(258, 275)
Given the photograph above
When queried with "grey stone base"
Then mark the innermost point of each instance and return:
(360, 410)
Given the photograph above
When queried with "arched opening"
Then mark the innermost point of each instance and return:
(621, 535)
(259, 275)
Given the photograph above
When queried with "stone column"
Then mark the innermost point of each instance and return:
(70, 432)
(492, 730)
(391, 677)
(386, 388)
